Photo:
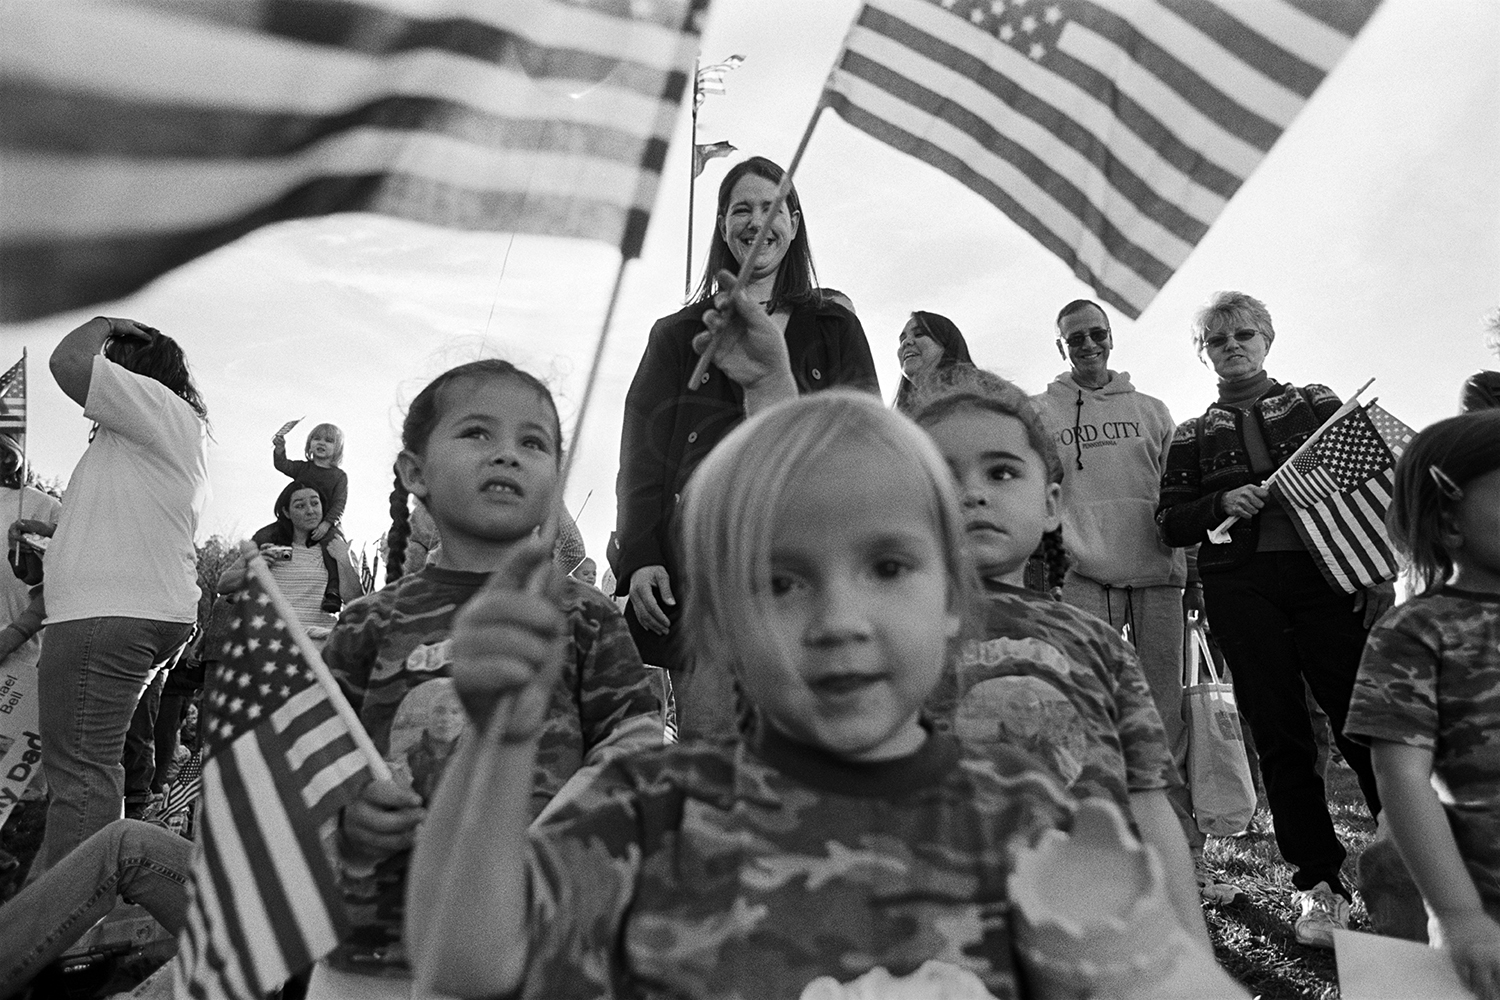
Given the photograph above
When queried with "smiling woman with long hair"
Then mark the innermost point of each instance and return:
(928, 344)
(813, 344)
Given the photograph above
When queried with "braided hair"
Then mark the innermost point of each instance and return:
(421, 417)
(960, 386)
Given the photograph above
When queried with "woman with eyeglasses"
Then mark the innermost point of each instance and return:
(928, 344)
(1281, 625)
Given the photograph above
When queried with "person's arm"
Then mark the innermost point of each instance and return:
(350, 585)
(1419, 826)
(507, 646)
(72, 361)
(334, 512)
(617, 703)
(1161, 830)
(27, 624)
(1184, 516)
(283, 465)
(640, 486)
(234, 575)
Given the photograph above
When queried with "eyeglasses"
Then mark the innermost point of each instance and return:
(1098, 335)
(1218, 340)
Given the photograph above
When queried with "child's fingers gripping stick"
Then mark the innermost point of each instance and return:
(382, 820)
(507, 643)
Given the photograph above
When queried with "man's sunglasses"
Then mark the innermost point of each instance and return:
(1098, 335)
(1218, 340)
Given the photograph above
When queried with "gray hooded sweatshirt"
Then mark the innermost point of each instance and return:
(1119, 437)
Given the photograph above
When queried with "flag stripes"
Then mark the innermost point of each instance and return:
(1338, 491)
(1333, 527)
(279, 763)
(13, 400)
(138, 136)
(1113, 131)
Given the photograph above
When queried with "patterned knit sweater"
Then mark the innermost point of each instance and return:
(1208, 458)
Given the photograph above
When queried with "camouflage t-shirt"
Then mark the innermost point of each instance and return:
(721, 870)
(389, 651)
(1430, 678)
(1063, 686)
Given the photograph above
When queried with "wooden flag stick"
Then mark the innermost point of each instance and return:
(782, 190)
(257, 566)
(1220, 535)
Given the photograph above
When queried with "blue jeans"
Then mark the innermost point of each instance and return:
(143, 863)
(89, 678)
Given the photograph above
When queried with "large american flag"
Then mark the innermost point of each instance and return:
(1338, 492)
(138, 134)
(279, 764)
(13, 401)
(1113, 131)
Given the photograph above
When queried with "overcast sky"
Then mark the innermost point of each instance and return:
(1372, 232)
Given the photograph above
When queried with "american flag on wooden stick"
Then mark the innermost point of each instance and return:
(1113, 131)
(138, 134)
(279, 765)
(13, 401)
(1338, 492)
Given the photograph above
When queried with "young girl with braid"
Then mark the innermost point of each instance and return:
(1046, 677)
(481, 450)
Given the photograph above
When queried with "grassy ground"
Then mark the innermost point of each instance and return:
(1253, 935)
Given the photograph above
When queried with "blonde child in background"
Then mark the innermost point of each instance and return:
(1043, 675)
(482, 449)
(838, 839)
(325, 452)
(1427, 698)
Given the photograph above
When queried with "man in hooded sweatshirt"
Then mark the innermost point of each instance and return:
(1113, 442)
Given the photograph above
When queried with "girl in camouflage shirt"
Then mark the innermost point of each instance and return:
(482, 446)
(1427, 698)
(841, 838)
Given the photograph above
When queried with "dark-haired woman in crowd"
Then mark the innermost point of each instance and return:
(779, 337)
(122, 586)
(929, 343)
(1282, 626)
(316, 580)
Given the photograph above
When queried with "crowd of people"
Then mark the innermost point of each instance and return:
(858, 662)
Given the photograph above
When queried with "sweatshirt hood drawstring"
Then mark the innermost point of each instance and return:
(1077, 427)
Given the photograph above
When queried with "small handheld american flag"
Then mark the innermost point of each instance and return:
(279, 762)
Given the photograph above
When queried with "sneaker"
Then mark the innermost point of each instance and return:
(1323, 912)
(1211, 889)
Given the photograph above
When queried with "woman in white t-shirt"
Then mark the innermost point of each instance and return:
(315, 579)
(121, 570)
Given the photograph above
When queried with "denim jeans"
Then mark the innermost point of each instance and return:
(143, 863)
(139, 758)
(1284, 631)
(89, 678)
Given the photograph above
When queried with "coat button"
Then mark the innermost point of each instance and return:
(676, 497)
(692, 436)
(703, 379)
(817, 374)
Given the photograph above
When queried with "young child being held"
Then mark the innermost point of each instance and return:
(482, 449)
(1427, 698)
(324, 450)
(1044, 676)
(839, 837)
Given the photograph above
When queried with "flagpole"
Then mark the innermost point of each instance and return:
(1220, 535)
(21, 472)
(687, 281)
(258, 568)
(782, 190)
